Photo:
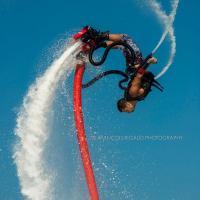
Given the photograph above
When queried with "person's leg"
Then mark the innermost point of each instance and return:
(110, 42)
(115, 37)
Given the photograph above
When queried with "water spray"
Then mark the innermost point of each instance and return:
(168, 23)
(32, 129)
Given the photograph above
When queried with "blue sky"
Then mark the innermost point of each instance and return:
(151, 169)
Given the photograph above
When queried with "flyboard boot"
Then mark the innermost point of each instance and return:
(90, 38)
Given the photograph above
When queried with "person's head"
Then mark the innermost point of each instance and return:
(126, 106)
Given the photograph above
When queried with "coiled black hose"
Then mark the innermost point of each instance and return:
(109, 72)
(105, 54)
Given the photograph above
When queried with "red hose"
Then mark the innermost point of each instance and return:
(82, 141)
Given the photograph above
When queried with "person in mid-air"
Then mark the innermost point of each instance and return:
(138, 88)
(140, 84)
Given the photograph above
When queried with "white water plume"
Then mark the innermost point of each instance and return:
(167, 21)
(32, 128)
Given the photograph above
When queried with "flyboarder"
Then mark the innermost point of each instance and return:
(139, 85)
(140, 80)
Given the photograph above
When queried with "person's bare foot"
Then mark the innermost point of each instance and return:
(152, 60)
(137, 66)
